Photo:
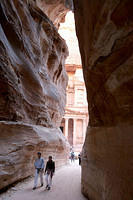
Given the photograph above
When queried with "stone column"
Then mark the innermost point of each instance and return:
(84, 129)
(66, 128)
(74, 132)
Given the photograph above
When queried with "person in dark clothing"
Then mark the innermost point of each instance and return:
(79, 157)
(49, 171)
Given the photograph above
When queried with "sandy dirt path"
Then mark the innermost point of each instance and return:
(66, 186)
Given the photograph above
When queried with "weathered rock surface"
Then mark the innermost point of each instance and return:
(19, 144)
(32, 74)
(32, 88)
(55, 9)
(105, 33)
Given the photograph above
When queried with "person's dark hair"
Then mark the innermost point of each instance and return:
(50, 157)
(39, 153)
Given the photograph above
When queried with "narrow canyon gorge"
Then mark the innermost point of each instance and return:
(33, 83)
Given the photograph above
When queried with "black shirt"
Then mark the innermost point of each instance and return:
(50, 166)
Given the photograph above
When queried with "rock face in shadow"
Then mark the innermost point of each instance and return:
(33, 84)
(32, 74)
(105, 33)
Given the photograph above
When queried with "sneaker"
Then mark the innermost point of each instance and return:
(34, 188)
(42, 185)
(48, 188)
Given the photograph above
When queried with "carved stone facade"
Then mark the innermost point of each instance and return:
(75, 119)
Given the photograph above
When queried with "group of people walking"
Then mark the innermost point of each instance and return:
(40, 168)
(49, 170)
(72, 157)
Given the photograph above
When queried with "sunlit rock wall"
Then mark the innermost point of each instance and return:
(55, 9)
(33, 83)
(67, 31)
(105, 33)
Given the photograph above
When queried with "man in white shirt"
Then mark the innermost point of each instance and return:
(39, 167)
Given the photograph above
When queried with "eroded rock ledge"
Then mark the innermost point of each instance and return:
(32, 89)
(19, 144)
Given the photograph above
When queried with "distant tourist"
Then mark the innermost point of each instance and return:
(39, 168)
(79, 157)
(49, 171)
(72, 156)
(71, 148)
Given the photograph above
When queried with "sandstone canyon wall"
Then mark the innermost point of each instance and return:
(105, 32)
(33, 83)
(68, 32)
(55, 10)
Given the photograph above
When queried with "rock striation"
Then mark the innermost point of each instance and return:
(33, 84)
(32, 74)
(105, 34)
(19, 144)
(56, 10)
